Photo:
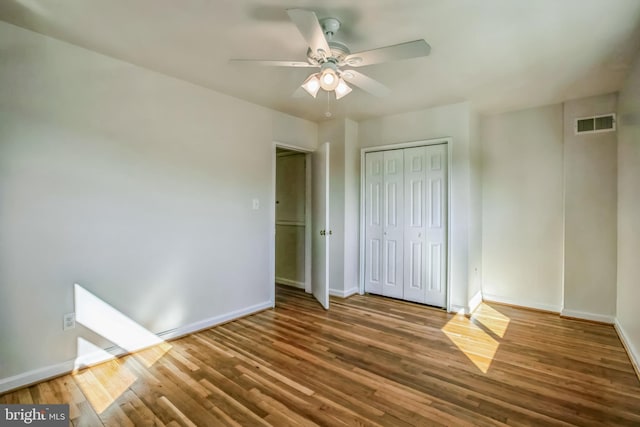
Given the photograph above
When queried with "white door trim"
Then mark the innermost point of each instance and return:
(272, 219)
(401, 145)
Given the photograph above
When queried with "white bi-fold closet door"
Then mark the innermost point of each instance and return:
(406, 224)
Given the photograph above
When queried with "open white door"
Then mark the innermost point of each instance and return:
(321, 231)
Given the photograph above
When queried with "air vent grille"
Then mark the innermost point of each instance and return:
(596, 124)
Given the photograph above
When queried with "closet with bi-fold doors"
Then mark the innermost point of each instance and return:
(405, 245)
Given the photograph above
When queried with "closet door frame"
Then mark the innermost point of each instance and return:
(421, 143)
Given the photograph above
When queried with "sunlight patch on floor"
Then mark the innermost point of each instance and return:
(473, 340)
(149, 356)
(492, 319)
(103, 384)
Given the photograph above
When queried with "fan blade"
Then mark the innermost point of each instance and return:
(309, 27)
(414, 49)
(365, 83)
(273, 63)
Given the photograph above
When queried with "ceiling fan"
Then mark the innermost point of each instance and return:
(336, 61)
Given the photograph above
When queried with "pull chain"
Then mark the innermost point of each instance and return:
(328, 113)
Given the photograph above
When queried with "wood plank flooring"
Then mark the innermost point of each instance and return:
(369, 361)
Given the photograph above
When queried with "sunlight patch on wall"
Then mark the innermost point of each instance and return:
(103, 319)
(90, 354)
(103, 384)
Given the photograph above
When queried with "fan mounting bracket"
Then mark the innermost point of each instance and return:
(330, 27)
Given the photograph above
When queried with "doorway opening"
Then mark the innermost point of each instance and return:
(299, 253)
(293, 219)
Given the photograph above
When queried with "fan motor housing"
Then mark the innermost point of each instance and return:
(339, 51)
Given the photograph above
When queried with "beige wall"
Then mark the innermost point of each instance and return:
(590, 198)
(522, 207)
(549, 210)
(475, 209)
(628, 269)
(133, 184)
(351, 208)
(447, 121)
(294, 131)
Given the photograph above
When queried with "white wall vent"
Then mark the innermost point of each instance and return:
(595, 124)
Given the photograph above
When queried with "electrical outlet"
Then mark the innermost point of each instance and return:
(68, 321)
(255, 204)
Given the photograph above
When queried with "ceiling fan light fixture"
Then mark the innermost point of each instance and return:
(312, 85)
(342, 89)
(329, 55)
(328, 79)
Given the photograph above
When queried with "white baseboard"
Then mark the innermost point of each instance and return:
(213, 321)
(632, 351)
(343, 294)
(458, 309)
(289, 282)
(475, 301)
(97, 356)
(520, 303)
(36, 375)
(602, 318)
(52, 371)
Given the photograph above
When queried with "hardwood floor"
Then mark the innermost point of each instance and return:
(367, 361)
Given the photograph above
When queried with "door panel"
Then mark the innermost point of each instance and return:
(393, 220)
(415, 161)
(435, 203)
(375, 257)
(320, 210)
(435, 268)
(406, 224)
(373, 222)
(436, 232)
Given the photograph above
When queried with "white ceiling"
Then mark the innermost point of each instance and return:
(498, 54)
